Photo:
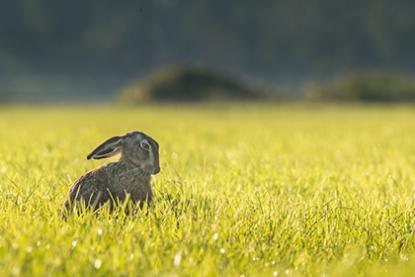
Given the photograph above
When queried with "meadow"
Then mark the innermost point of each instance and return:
(244, 190)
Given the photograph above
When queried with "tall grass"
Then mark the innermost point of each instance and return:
(244, 190)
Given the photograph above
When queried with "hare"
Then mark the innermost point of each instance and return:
(113, 182)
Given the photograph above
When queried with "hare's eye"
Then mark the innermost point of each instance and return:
(145, 145)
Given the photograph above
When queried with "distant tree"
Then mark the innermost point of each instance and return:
(190, 84)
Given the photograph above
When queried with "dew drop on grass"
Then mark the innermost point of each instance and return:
(215, 236)
(403, 257)
(74, 243)
(177, 259)
(98, 263)
(99, 232)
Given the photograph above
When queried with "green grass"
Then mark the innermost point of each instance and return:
(253, 190)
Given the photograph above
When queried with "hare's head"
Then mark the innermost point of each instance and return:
(136, 148)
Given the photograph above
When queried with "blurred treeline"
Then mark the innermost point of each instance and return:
(367, 86)
(103, 44)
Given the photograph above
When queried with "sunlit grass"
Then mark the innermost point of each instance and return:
(244, 190)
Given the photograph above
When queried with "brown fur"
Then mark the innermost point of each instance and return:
(113, 183)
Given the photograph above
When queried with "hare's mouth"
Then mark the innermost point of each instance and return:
(150, 169)
(156, 170)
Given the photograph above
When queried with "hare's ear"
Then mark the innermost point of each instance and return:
(107, 149)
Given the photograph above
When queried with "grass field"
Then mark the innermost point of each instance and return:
(250, 190)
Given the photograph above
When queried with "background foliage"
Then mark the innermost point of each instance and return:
(369, 86)
(87, 49)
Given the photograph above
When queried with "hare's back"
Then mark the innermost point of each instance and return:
(89, 188)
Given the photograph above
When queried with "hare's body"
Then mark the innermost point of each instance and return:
(110, 183)
(114, 182)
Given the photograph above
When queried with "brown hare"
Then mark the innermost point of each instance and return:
(114, 182)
